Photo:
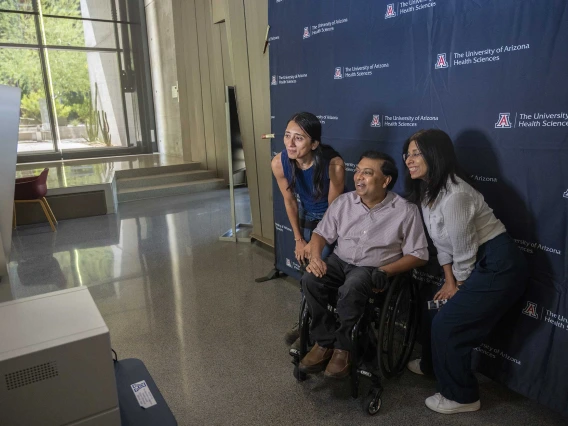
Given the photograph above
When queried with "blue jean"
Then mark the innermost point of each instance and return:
(498, 280)
(327, 250)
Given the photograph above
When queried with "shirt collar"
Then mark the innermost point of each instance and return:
(388, 199)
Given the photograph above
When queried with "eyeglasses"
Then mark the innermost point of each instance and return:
(413, 155)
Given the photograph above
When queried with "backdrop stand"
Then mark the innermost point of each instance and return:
(239, 232)
(273, 274)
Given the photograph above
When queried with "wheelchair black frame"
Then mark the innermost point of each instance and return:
(379, 314)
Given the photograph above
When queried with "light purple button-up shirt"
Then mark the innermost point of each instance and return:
(374, 237)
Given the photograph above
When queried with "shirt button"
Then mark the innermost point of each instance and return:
(364, 232)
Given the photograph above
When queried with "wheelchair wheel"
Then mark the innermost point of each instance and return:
(398, 325)
(372, 402)
(298, 375)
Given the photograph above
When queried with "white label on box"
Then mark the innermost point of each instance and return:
(143, 394)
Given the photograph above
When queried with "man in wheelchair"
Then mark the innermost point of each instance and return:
(378, 234)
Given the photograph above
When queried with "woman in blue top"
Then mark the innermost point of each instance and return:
(310, 176)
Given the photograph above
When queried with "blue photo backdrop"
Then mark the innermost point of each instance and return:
(494, 75)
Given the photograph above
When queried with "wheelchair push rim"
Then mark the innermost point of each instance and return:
(398, 326)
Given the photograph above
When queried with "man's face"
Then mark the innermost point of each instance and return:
(369, 179)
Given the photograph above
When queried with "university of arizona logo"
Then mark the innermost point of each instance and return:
(273, 82)
(530, 310)
(441, 62)
(338, 75)
(376, 121)
(288, 263)
(390, 11)
(306, 32)
(504, 122)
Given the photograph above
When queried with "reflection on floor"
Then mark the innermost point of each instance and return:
(187, 305)
(31, 146)
(92, 171)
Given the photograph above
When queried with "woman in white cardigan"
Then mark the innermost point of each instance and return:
(485, 272)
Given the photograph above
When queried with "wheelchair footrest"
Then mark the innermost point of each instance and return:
(365, 373)
(294, 353)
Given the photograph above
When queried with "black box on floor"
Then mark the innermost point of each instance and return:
(136, 386)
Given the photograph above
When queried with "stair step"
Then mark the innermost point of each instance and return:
(151, 171)
(132, 194)
(164, 178)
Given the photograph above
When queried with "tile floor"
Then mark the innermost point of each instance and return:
(188, 306)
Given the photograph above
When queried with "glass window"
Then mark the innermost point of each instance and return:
(88, 99)
(21, 68)
(86, 9)
(70, 32)
(23, 5)
(17, 28)
(80, 80)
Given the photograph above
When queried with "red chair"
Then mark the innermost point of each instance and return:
(33, 190)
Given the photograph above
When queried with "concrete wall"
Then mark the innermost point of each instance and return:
(163, 58)
(209, 56)
(205, 45)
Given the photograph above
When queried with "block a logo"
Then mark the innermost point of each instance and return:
(566, 194)
(504, 122)
(307, 32)
(376, 121)
(441, 62)
(273, 82)
(390, 11)
(530, 310)
(338, 75)
(288, 263)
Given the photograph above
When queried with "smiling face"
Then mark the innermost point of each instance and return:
(370, 182)
(298, 143)
(415, 162)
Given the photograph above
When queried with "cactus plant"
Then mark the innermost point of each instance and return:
(92, 122)
(96, 124)
(105, 128)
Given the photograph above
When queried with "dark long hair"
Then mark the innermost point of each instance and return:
(438, 152)
(310, 124)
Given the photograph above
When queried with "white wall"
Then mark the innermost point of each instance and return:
(162, 48)
(9, 121)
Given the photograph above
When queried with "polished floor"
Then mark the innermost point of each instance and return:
(188, 306)
(92, 171)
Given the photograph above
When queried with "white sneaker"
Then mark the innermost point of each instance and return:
(414, 366)
(443, 405)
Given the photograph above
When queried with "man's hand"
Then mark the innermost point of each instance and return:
(380, 280)
(317, 266)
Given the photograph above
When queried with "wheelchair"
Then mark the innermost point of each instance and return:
(382, 339)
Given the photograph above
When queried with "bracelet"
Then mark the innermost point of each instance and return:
(298, 239)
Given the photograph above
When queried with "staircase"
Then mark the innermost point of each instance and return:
(154, 182)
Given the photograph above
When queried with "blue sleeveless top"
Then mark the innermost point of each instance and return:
(309, 208)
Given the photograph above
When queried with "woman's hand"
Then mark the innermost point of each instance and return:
(448, 289)
(300, 251)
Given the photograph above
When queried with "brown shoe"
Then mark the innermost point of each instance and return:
(316, 359)
(339, 366)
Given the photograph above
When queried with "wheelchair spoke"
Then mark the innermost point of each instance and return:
(398, 326)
